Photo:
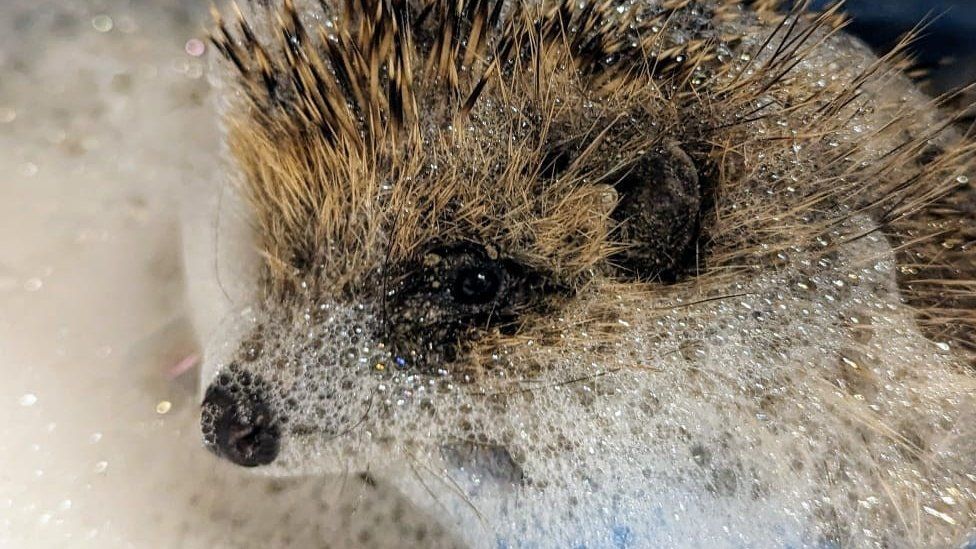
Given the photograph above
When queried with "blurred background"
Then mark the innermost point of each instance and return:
(947, 48)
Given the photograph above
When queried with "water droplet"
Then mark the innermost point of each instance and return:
(102, 23)
(163, 407)
(28, 399)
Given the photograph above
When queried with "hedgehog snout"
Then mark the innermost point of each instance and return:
(238, 425)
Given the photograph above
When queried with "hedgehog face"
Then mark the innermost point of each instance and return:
(472, 257)
(541, 244)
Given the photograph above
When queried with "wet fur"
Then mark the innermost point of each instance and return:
(413, 125)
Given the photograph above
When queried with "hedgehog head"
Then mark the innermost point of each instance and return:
(525, 240)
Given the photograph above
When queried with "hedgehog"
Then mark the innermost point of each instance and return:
(602, 273)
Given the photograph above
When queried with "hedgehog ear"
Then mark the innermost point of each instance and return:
(658, 215)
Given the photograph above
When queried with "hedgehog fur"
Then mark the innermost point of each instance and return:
(602, 260)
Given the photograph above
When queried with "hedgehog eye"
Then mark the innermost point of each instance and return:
(472, 278)
(453, 293)
(476, 284)
(462, 281)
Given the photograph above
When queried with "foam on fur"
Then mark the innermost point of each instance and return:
(781, 393)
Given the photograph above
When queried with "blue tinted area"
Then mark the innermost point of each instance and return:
(951, 32)
(622, 537)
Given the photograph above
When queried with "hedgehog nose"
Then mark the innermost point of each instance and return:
(240, 427)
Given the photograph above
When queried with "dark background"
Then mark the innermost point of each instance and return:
(947, 48)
